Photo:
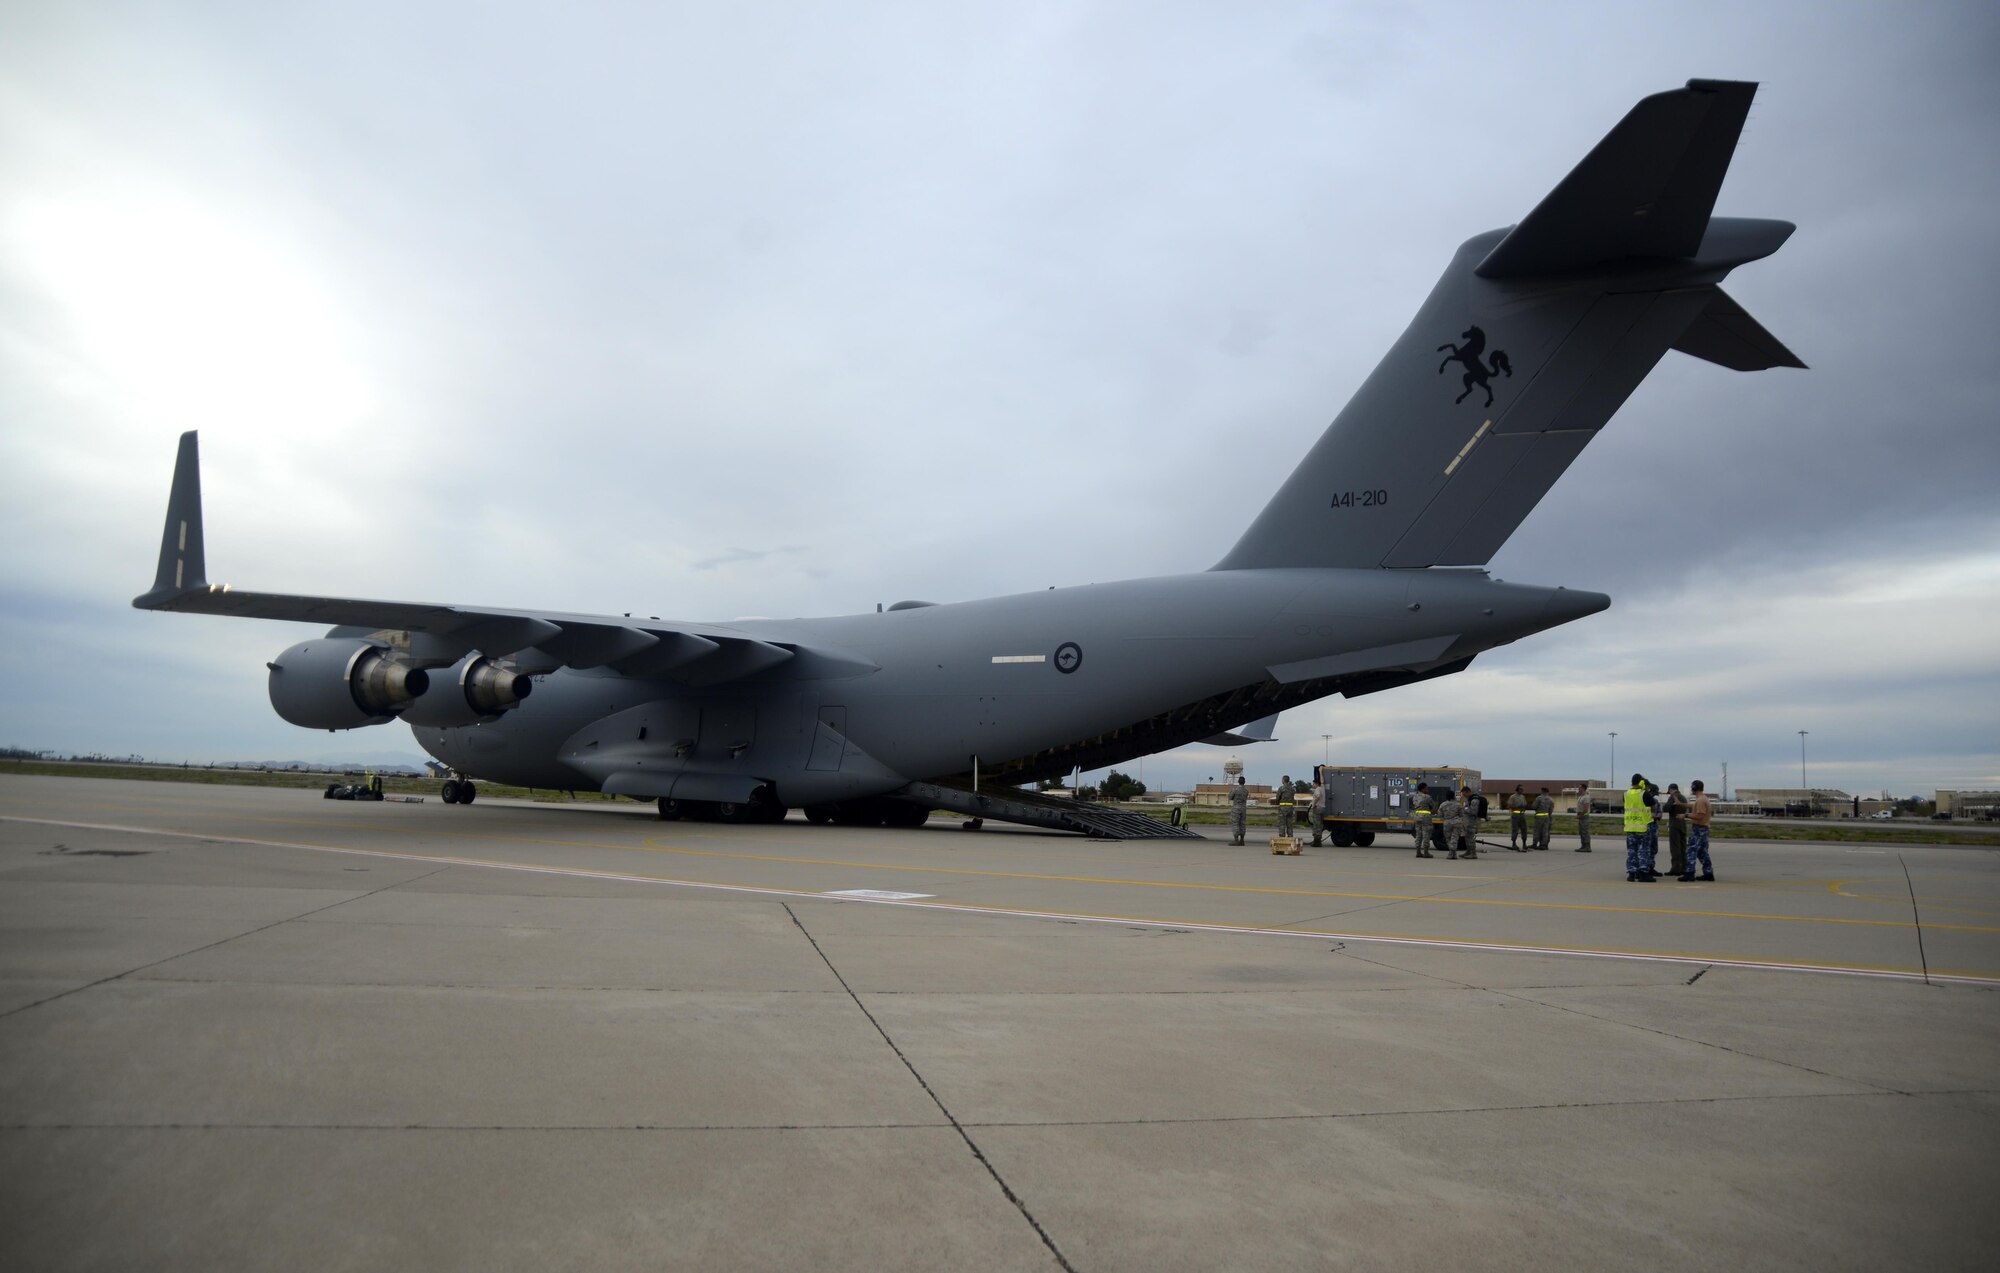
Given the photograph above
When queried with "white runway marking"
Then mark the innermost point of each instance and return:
(876, 894)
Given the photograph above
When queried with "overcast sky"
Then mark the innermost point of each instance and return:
(778, 309)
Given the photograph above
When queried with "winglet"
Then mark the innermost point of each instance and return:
(182, 566)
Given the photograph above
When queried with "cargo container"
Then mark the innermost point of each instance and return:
(1364, 800)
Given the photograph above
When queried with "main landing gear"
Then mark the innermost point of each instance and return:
(762, 809)
(458, 789)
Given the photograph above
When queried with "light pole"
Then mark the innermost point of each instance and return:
(1611, 780)
(1325, 741)
(1802, 773)
(1725, 780)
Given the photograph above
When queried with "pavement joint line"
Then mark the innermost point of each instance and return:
(1855, 970)
(1519, 996)
(1720, 1047)
(971, 1144)
(182, 954)
(999, 1125)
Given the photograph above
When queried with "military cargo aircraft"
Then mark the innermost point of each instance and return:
(1362, 574)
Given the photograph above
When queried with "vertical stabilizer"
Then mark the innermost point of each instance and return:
(182, 565)
(1530, 341)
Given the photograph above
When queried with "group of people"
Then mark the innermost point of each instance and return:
(1687, 831)
(1528, 823)
(1449, 823)
(1286, 799)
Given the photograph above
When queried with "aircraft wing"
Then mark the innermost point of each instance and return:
(536, 640)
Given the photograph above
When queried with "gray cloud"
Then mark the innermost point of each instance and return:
(736, 556)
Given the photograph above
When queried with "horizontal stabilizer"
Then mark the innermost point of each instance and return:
(1257, 731)
(1728, 337)
(1646, 190)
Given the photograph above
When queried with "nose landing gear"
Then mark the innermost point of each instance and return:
(458, 789)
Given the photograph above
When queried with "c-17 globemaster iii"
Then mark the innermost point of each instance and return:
(1360, 575)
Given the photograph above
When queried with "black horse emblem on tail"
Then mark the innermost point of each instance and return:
(1476, 372)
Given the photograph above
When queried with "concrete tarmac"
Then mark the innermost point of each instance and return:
(246, 1027)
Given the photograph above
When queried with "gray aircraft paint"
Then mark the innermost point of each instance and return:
(1339, 586)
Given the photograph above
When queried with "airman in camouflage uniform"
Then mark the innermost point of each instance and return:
(1448, 818)
(1468, 822)
(1517, 821)
(1239, 809)
(1545, 815)
(1420, 816)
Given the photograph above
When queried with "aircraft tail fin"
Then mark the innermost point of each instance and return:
(1531, 340)
(183, 564)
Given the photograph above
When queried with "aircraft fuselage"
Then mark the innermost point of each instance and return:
(1018, 686)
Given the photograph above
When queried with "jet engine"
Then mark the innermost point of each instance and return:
(479, 689)
(342, 683)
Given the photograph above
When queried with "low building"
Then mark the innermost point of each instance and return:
(1218, 793)
(1799, 802)
(1969, 804)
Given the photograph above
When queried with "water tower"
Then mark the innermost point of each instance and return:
(1232, 768)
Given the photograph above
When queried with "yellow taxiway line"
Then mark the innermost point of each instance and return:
(1317, 934)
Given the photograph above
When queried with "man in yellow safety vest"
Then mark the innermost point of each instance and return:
(1638, 820)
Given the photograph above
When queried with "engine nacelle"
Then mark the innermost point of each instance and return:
(476, 689)
(342, 683)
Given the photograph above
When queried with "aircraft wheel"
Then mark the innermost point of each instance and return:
(669, 810)
(466, 791)
(450, 791)
(1342, 838)
(1364, 838)
(331, 787)
(857, 814)
(730, 811)
(905, 814)
(818, 814)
